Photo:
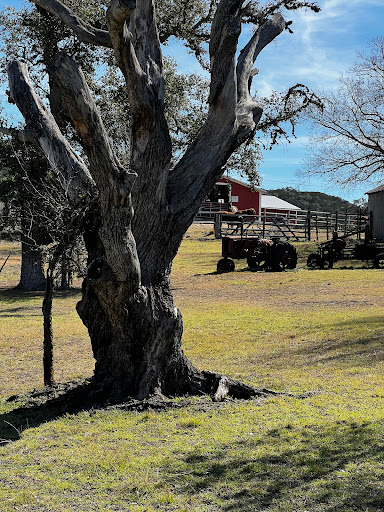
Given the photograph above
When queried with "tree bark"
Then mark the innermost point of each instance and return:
(48, 370)
(32, 271)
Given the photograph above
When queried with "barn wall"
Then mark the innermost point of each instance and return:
(247, 198)
(376, 207)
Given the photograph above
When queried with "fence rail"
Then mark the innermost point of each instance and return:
(300, 225)
(209, 209)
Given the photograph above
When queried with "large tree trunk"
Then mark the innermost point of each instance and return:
(136, 343)
(135, 335)
(32, 269)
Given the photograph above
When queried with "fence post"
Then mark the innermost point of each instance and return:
(317, 228)
(346, 222)
(369, 231)
(218, 225)
(309, 225)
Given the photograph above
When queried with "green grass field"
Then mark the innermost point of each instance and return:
(315, 336)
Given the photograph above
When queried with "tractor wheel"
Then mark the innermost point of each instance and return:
(314, 261)
(283, 256)
(378, 262)
(291, 260)
(287, 258)
(225, 265)
(327, 262)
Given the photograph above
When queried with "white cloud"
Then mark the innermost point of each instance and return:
(335, 15)
(323, 45)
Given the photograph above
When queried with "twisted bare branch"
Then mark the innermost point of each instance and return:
(85, 32)
(70, 169)
(248, 55)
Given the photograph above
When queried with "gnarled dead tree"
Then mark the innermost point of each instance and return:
(143, 212)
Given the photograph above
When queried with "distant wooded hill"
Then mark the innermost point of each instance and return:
(315, 201)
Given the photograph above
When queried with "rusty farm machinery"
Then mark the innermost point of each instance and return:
(261, 254)
(338, 249)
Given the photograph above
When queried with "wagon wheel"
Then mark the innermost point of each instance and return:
(327, 262)
(314, 261)
(378, 262)
(256, 262)
(225, 265)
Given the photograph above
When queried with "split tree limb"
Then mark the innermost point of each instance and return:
(248, 55)
(225, 32)
(70, 169)
(137, 50)
(122, 41)
(113, 181)
(233, 116)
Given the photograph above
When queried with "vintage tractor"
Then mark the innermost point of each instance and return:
(337, 249)
(273, 255)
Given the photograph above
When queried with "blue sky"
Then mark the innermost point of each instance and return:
(323, 46)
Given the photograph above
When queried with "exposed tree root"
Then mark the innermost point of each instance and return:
(223, 386)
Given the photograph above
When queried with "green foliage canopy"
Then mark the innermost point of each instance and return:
(315, 201)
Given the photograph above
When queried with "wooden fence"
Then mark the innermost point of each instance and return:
(300, 225)
(209, 209)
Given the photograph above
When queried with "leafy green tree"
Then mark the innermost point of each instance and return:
(315, 201)
(19, 166)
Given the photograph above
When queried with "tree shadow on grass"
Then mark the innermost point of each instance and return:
(14, 295)
(11, 295)
(19, 312)
(367, 349)
(318, 469)
(70, 398)
(43, 406)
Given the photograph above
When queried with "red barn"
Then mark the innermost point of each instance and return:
(230, 193)
(243, 195)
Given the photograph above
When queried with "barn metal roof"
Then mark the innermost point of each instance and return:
(380, 188)
(276, 203)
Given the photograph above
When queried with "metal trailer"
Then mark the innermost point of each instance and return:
(337, 249)
(261, 254)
